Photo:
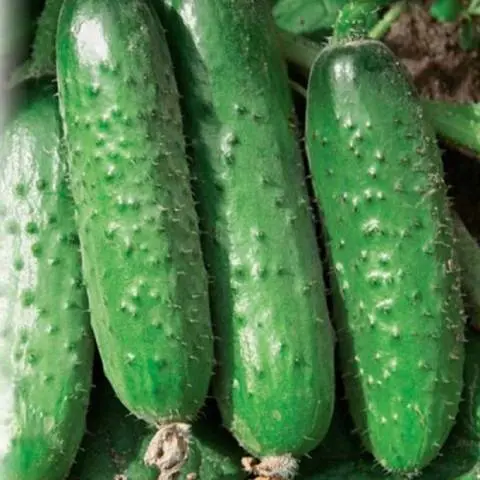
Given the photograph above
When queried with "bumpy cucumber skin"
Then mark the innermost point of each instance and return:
(275, 384)
(459, 458)
(116, 443)
(46, 345)
(378, 177)
(138, 228)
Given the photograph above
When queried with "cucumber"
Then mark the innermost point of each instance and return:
(458, 459)
(469, 261)
(469, 415)
(138, 228)
(339, 445)
(41, 62)
(46, 345)
(115, 442)
(275, 382)
(378, 178)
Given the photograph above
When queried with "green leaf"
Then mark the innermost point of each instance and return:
(306, 16)
(446, 10)
(474, 8)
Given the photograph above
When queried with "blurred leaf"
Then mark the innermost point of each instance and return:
(474, 7)
(469, 35)
(446, 10)
(306, 16)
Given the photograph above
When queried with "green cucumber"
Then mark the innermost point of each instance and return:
(41, 62)
(138, 228)
(469, 261)
(275, 382)
(378, 177)
(339, 445)
(458, 459)
(46, 344)
(469, 415)
(114, 445)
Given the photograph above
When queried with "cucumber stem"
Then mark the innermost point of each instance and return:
(296, 87)
(275, 467)
(168, 449)
(299, 50)
(384, 25)
(458, 123)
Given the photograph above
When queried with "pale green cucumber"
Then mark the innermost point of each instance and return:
(46, 344)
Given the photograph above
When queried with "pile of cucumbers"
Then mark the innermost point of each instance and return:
(183, 296)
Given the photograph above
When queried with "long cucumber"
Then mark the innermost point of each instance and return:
(274, 384)
(138, 228)
(378, 177)
(46, 344)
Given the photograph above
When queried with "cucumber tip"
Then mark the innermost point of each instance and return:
(274, 467)
(168, 449)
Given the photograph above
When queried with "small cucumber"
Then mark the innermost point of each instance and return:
(46, 345)
(113, 448)
(275, 382)
(378, 177)
(138, 228)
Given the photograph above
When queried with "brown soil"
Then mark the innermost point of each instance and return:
(442, 70)
(431, 52)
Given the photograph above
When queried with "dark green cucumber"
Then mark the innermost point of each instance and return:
(275, 383)
(46, 345)
(41, 62)
(459, 459)
(469, 261)
(138, 228)
(116, 441)
(469, 415)
(378, 177)
(339, 445)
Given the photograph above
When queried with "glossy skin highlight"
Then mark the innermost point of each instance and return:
(378, 177)
(138, 228)
(46, 345)
(274, 382)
